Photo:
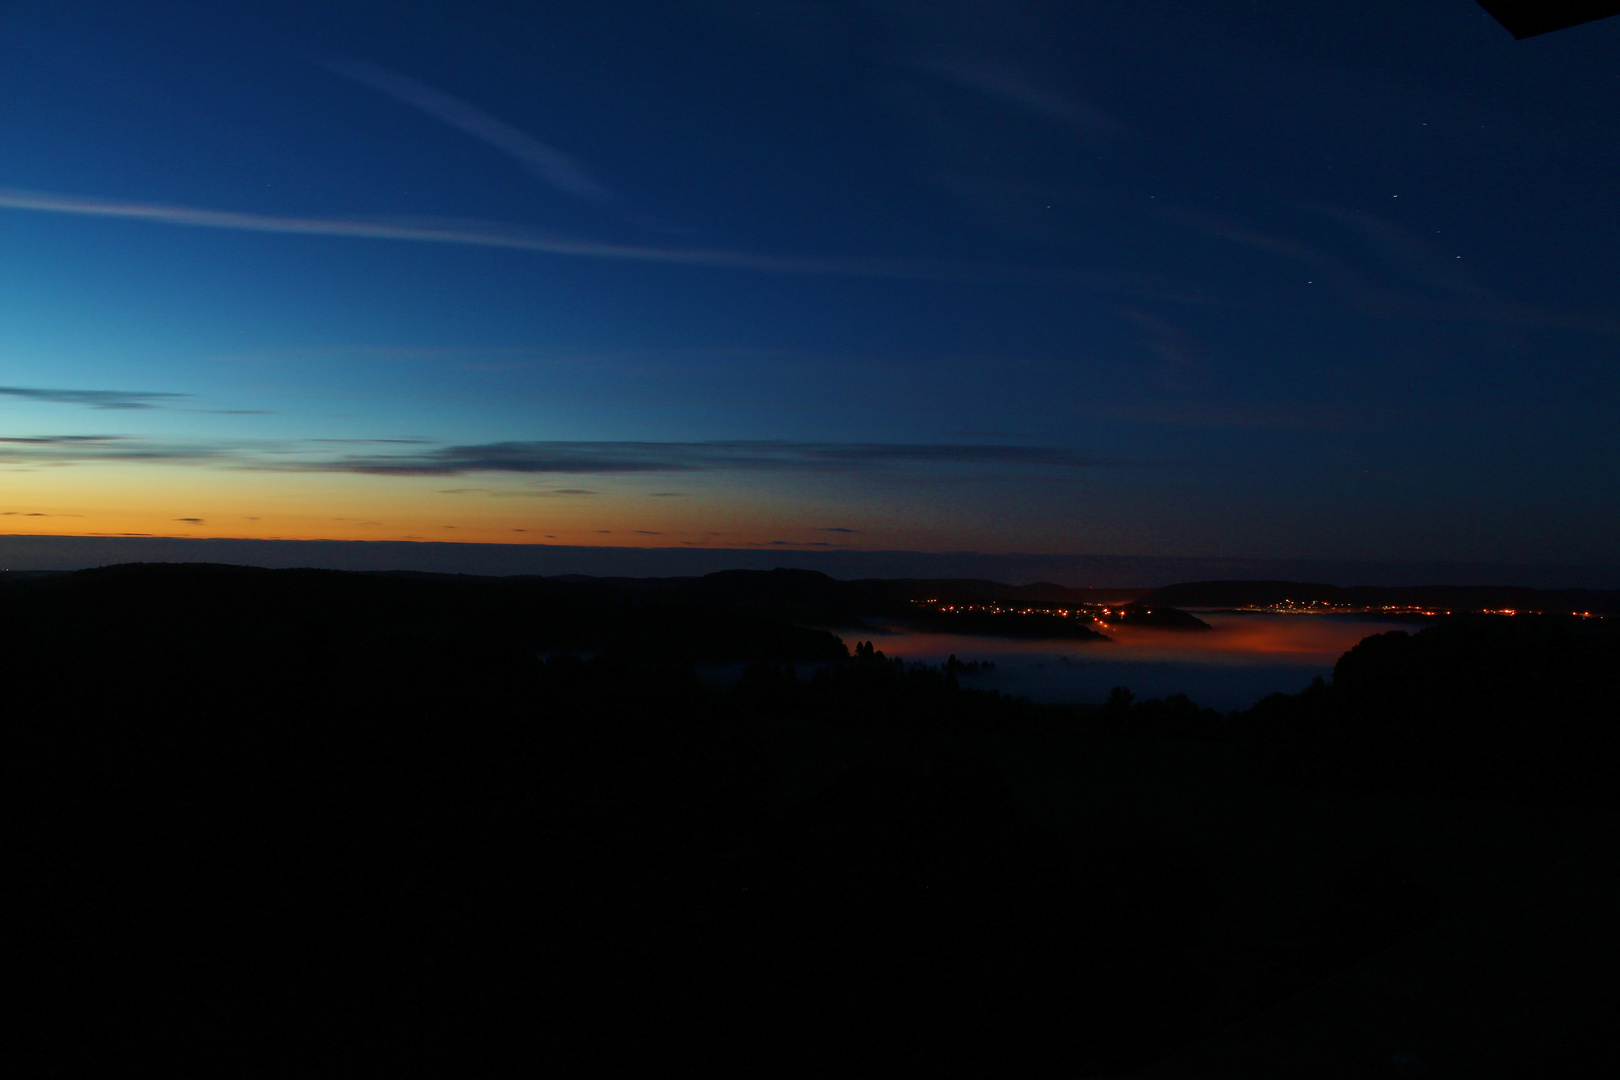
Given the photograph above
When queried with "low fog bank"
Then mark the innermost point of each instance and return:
(1247, 657)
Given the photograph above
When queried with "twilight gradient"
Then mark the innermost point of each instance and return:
(1257, 279)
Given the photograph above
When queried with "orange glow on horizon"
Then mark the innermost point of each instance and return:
(193, 502)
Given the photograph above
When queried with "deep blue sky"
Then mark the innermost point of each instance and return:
(1222, 278)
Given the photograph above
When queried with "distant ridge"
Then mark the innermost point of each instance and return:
(31, 552)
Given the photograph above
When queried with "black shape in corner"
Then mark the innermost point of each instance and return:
(1528, 18)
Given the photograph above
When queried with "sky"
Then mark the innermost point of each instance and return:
(1233, 278)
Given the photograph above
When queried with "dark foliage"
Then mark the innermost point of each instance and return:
(1523, 708)
(1173, 717)
(873, 692)
(345, 821)
(590, 615)
(353, 823)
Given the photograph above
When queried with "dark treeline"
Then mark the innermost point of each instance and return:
(1523, 708)
(287, 817)
(300, 818)
(719, 615)
(673, 623)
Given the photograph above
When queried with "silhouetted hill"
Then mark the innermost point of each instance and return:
(810, 597)
(1520, 708)
(1524, 709)
(1041, 592)
(319, 821)
(333, 605)
(1162, 616)
(811, 590)
(342, 821)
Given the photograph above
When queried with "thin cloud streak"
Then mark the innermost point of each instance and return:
(552, 458)
(73, 449)
(1378, 301)
(733, 456)
(498, 235)
(473, 234)
(1014, 87)
(547, 163)
(94, 399)
(61, 440)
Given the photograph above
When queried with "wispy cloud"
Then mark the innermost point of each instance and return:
(549, 164)
(1017, 87)
(553, 458)
(1467, 302)
(94, 399)
(1254, 415)
(406, 440)
(476, 234)
(61, 440)
(651, 457)
(72, 449)
(500, 235)
(1417, 258)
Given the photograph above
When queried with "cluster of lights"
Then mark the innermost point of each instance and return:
(1101, 613)
(997, 609)
(1093, 613)
(1322, 607)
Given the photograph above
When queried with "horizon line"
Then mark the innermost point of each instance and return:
(43, 551)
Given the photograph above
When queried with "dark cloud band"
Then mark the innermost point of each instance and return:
(556, 458)
(95, 399)
(650, 457)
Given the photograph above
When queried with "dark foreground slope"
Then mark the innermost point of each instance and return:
(267, 821)
(275, 608)
(1525, 709)
(304, 820)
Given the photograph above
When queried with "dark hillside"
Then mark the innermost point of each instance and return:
(120, 604)
(313, 819)
(326, 821)
(1161, 616)
(1524, 708)
(811, 596)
